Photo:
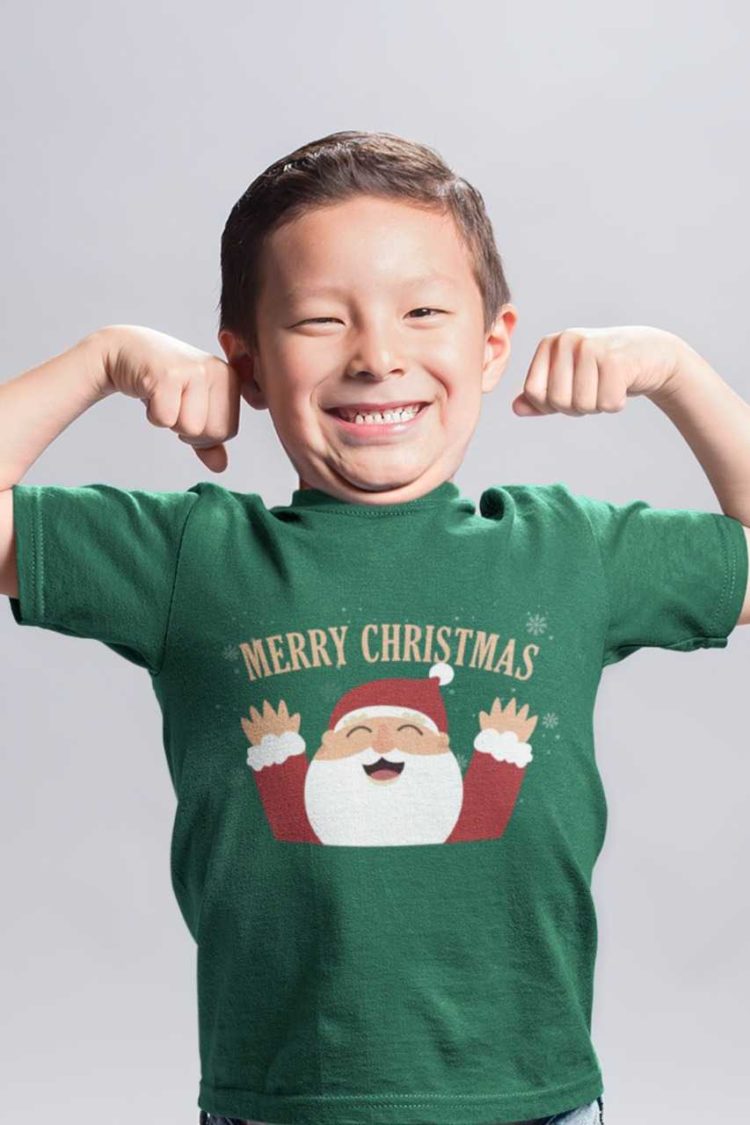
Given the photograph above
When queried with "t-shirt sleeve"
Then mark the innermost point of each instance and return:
(99, 561)
(674, 578)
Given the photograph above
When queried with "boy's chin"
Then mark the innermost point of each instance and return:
(377, 483)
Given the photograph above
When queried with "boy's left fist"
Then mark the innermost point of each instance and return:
(594, 370)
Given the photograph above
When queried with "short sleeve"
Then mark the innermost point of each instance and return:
(99, 561)
(674, 578)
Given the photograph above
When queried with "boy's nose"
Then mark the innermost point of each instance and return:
(377, 357)
(372, 371)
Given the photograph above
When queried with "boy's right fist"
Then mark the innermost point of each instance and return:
(190, 391)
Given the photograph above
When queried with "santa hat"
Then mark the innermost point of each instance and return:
(418, 699)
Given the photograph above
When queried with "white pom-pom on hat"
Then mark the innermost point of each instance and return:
(444, 673)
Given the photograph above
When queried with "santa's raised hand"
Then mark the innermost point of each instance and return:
(278, 762)
(495, 773)
(504, 733)
(273, 735)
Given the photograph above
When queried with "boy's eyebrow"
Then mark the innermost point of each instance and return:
(310, 291)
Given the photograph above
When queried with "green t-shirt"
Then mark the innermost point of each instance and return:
(378, 724)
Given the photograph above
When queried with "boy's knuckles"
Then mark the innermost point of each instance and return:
(585, 402)
(535, 394)
(612, 393)
(170, 376)
(159, 414)
(583, 346)
(558, 402)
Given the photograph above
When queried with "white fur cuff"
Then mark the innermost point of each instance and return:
(503, 746)
(274, 749)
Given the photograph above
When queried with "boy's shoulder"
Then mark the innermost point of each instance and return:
(554, 499)
(215, 495)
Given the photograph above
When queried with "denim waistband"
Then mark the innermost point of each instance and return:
(590, 1114)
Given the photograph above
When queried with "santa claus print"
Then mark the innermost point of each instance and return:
(385, 773)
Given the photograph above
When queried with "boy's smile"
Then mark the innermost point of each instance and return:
(370, 305)
(368, 421)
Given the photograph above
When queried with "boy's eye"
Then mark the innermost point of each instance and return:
(323, 319)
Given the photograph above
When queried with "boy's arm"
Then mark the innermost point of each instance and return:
(715, 422)
(35, 407)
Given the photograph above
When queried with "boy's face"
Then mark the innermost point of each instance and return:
(344, 319)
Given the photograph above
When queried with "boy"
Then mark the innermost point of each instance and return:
(396, 927)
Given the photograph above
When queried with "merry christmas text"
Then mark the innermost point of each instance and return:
(382, 643)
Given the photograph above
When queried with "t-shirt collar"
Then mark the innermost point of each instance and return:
(443, 494)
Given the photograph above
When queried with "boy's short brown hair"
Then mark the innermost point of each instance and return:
(332, 169)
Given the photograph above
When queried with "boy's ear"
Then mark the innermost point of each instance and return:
(245, 364)
(497, 347)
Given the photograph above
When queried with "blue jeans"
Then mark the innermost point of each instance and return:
(591, 1114)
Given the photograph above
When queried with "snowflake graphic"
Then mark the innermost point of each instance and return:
(230, 652)
(536, 624)
(550, 720)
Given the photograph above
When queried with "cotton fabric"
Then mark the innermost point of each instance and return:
(377, 720)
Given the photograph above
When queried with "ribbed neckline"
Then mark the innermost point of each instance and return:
(315, 498)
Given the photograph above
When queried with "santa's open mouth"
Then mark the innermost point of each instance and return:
(383, 770)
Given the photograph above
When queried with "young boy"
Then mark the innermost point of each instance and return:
(378, 698)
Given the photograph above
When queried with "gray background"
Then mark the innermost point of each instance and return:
(610, 143)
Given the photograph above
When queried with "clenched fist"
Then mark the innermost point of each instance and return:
(594, 370)
(192, 392)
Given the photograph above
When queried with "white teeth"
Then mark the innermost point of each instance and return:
(400, 414)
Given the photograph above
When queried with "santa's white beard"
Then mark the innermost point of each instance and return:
(419, 806)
